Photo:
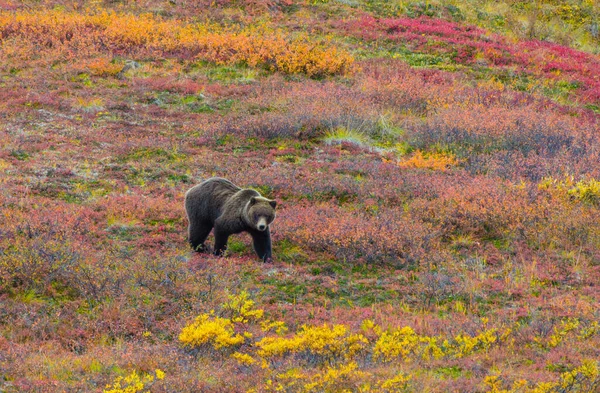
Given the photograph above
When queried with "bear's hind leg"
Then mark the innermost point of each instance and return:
(197, 234)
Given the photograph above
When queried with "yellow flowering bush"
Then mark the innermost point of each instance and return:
(330, 342)
(395, 384)
(586, 332)
(241, 308)
(430, 348)
(291, 380)
(561, 332)
(465, 345)
(341, 378)
(585, 378)
(406, 344)
(220, 332)
(278, 326)
(368, 325)
(585, 190)
(209, 329)
(337, 379)
(134, 382)
(329, 345)
(243, 359)
(402, 343)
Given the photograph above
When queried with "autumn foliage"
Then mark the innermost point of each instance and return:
(475, 46)
(60, 35)
(438, 223)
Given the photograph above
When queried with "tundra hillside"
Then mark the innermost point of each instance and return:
(436, 167)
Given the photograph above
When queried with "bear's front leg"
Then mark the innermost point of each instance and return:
(262, 244)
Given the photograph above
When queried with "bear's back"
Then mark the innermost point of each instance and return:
(209, 197)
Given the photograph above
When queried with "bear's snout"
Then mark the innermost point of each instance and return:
(262, 224)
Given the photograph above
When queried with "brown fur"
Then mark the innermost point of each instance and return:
(217, 203)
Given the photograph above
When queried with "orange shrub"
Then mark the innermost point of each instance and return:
(72, 35)
(438, 162)
(102, 66)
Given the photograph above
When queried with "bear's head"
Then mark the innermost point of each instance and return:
(260, 212)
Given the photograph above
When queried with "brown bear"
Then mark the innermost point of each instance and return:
(218, 203)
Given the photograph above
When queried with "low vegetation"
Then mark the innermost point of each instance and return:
(436, 171)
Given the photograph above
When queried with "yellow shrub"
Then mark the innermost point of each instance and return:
(585, 190)
(242, 309)
(588, 331)
(465, 345)
(369, 324)
(243, 359)
(278, 326)
(133, 382)
(290, 380)
(210, 329)
(561, 332)
(318, 340)
(395, 384)
(406, 344)
(431, 348)
(544, 387)
(397, 343)
(583, 378)
(338, 379)
(495, 384)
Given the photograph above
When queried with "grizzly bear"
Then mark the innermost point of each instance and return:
(217, 203)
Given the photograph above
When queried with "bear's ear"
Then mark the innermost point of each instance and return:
(252, 201)
(273, 204)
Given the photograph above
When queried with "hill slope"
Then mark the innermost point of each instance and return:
(438, 182)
